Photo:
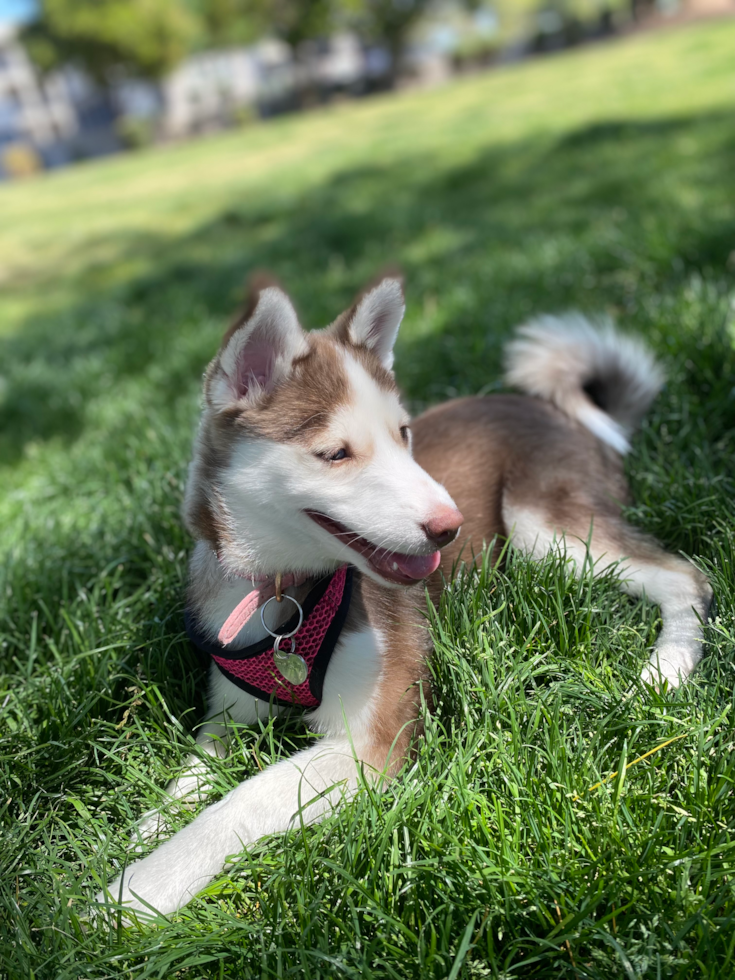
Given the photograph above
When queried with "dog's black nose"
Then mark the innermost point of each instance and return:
(444, 526)
(444, 538)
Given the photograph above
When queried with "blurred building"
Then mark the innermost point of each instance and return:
(37, 117)
(204, 92)
(49, 121)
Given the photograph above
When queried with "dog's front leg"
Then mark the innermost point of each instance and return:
(227, 705)
(305, 786)
(372, 698)
(190, 786)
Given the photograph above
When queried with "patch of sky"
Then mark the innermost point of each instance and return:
(16, 11)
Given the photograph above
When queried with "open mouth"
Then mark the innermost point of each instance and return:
(392, 565)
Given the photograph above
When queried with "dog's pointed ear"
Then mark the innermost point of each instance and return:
(374, 320)
(257, 351)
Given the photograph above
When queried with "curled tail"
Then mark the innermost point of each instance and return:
(594, 374)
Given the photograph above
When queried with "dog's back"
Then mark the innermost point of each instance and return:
(559, 451)
(486, 448)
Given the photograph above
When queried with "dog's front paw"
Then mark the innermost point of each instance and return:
(171, 876)
(143, 889)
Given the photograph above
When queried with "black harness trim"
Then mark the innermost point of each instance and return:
(208, 649)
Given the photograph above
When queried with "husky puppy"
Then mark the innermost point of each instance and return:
(307, 470)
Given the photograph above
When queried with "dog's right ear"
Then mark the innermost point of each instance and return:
(373, 321)
(258, 351)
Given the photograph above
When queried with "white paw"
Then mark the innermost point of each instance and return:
(172, 875)
(143, 889)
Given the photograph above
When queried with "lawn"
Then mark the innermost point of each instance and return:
(559, 820)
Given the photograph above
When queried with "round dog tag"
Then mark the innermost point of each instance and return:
(291, 666)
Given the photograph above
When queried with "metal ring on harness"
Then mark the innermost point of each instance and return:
(294, 631)
(291, 666)
(277, 652)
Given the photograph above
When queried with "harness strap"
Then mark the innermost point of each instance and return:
(252, 668)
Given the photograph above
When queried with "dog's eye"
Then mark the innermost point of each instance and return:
(337, 456)
(404, 433)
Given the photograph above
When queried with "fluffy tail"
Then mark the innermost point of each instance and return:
(602, 378)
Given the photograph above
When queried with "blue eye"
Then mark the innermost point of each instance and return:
(335, 457)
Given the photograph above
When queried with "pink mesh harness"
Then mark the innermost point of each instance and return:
(252, 669)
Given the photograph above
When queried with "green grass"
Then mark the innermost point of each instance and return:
(602, 179)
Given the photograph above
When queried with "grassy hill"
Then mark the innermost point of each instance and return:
(599, 180)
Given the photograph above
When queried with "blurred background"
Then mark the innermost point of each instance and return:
(513, 158)
(83, 78)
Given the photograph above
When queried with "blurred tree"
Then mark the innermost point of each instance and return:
(226, 22)
(391, 21)
(294, 21)
(139, 38)
(147, 38)
(303, 20)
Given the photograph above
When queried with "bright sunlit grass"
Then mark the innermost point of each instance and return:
(601, 180)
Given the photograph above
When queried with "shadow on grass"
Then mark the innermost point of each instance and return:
(619, 216)
(586, 221)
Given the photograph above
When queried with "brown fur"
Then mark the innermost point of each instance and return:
(482, 450)
(212, 454)
(300, 405)
(398, 615)
(485, 449)
(303, 403)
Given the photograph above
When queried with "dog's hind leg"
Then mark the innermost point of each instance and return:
(680, 590)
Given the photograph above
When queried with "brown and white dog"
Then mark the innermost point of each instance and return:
(306, 461)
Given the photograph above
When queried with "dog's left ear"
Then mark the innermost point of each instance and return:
(257, 352)
(374, 320)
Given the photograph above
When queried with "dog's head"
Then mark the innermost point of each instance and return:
(303, 458)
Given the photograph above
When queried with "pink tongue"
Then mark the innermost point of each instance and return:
(414, 566)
